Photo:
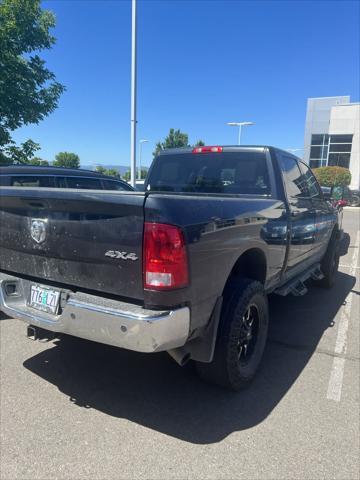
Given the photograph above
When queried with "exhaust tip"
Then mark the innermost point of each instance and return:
(180, 355)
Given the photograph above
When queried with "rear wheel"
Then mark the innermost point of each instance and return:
(330, 262)
(241, 336)
(355, 201)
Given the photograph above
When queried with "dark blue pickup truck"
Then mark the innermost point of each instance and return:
(184, 267)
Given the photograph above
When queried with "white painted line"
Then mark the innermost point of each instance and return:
(336, 379)
(337, 371)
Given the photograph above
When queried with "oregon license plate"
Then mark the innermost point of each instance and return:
(44, 299)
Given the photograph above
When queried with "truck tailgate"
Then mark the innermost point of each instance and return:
(80, 238)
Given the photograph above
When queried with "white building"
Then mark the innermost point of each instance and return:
(332, 131)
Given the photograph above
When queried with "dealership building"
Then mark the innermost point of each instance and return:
(332, 135)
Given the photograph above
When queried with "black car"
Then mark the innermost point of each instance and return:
(184, 267)
(58, 177)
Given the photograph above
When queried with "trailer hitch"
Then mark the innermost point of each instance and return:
(38, 333)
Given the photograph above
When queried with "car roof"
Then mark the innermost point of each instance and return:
(226, 148)
(45, 170)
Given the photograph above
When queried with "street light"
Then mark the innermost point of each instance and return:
(140, 150)
(133, 96)
(239, 124)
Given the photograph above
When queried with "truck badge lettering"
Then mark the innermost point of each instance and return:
(121, 255)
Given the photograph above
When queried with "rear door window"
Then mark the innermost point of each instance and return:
(84, 183)
(32, 181)
(60, 182)
(114, 185)
(226, 173)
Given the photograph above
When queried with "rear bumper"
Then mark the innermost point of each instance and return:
(99, 319)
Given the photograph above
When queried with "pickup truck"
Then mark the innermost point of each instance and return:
(184, 267)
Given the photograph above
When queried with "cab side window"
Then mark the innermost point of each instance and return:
(295, 182)
(311, 182)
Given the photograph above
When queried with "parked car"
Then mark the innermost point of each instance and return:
(58, 177)
(184, 267)
(343, 195)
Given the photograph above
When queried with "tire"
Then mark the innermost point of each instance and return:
(355, 201)
(241, 336)
(330, 262)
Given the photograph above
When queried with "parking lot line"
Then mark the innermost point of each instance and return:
(337, 371)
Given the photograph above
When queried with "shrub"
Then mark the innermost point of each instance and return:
(332, 176)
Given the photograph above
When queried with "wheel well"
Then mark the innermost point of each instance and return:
(251, 264)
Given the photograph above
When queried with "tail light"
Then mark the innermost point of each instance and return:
(207, 149)
(165, 263)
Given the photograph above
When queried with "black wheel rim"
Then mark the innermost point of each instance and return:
(248, 334)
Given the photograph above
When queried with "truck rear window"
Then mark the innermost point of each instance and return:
(227, 173)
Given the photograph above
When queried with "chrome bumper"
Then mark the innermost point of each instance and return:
(99, 319)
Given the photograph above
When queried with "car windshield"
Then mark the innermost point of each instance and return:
(227, 173)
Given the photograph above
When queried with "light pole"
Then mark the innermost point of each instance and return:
(239, 124)
(140, 151)
(133, 95)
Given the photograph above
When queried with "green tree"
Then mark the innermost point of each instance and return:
(127, 175)
(38, 162)
(112, 172)
(175, 139)
(332, 176)
(199, 143)
(100, 169)
(28, 90)
(67, 159)
(12, 154)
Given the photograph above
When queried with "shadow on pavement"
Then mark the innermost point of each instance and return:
(3, 316)
(153, 391)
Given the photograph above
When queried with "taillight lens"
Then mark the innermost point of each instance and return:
(165, 263)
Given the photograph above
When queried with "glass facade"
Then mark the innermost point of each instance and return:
(332, 150)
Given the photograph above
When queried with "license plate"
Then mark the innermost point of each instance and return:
(44, 299)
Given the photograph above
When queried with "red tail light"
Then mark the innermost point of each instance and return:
(165, 263)
(207, 150)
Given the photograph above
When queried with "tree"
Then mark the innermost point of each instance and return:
(127, 175)
(332, 176)
(199, 143)
(100, 169)
(67, 160)
(28, 90)
(11, 154)
(38, 162)
(112, 172)
(175, 139)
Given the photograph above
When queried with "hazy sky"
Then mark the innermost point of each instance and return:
(200, 65)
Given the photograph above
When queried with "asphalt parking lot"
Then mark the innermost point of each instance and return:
(72, 409)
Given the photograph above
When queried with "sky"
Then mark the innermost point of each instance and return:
(201, 64)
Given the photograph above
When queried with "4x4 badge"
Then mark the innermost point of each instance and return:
(121, 255)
